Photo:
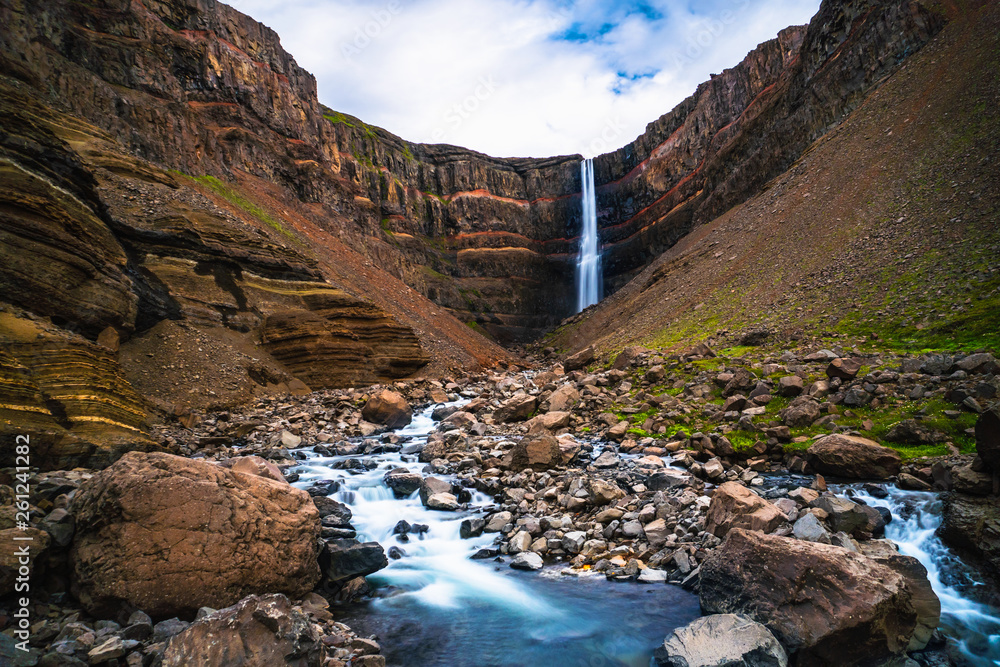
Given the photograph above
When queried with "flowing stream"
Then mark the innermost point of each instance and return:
(436, 606)
(588, 262)
(974, 627)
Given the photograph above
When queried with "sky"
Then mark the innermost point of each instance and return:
(519, 78)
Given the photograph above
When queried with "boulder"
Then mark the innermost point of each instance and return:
(431, 486)
(721, 640)
(811, 529)
(446, 502)
(256, 632)
(527, 560)
(579, 360)
(539, 453)
(387, 408)
(925, 600)
(969, 480)
(548, 422)
(845, 369)
(972, 526)
(843, 514)
(733, 505)
(790, 386)
(402, 481)
(515, 409)
(853, 457)
(988, 439)
(343, 560)
(627, 356)
(168, 535)
(602, 492)
(828, 605)
(563, 399)
(803, 411)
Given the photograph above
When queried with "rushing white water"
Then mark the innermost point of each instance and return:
(974, 627)
(446, 609)
(588, 263)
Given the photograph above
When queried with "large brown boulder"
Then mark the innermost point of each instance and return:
(562, 399)
(831, 606)
(538, 453)
(803, 411)
(387, 408)
(168, 535)
(735, 506)
(516, 409)
(579, 360)
(853, 457)
(256, 632)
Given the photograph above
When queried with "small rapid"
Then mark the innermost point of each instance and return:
(974, 627)
(437, 606)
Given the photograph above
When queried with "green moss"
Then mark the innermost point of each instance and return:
(337, 117)
(239, 201)
(742, 440)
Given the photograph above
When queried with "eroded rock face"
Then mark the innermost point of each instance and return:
(825, 604)
(972, 526)
(257, 632)
(168, 535)
(853, 457)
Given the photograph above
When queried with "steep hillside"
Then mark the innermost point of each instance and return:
(887, 228)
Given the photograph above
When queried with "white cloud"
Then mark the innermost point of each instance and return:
(518, 77)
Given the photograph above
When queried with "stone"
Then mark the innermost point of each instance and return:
(603, 492)
(342, 560)
(403, 482)
(651, 576)
(387, 408)
(471, 527)
(260, 631)
(59, 524)
(714, 469)
(826, 604)
(627, 356)
(255, 465)
(735, 506)
(790, 386)
(289, 440)
(908, 482)
(925, 601)
(430, 486)
(496, 522)
(803, 495)
(803, 411)
(520, 542)
(548, 422)
(811, 529)
(579, 360)
(443, 501)
(913, 432)
(853, 457)
(972, 525)
(109, 649)
(656, 532)
(988, 439)
(969, 480)
(169, 535)
(539, 453)
(843, 514)
(527, 560)
(721, 640)
(979, 363)
(843, 368)
(563, 399)
(515, 409)
(573, 541)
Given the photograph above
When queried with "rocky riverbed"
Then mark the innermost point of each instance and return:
(517, 498)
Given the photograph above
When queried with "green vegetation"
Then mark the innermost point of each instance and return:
(337, 117)
(237, 200)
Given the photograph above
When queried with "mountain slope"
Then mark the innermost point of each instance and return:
(888, 227)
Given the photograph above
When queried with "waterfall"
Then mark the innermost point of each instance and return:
(588, 263)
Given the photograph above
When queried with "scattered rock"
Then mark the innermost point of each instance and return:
(721, 640)
(387, 408)
(853, 457)
(735, 506)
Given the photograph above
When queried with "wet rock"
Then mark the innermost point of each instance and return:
(169, 535)
(972, 526)
(910, 483)
(387, 408)
(264, 631)
(527, 560)
(853, 457)
(402, 482)
(735, 506)
(342, 560)
(969, 480)
(843, 515)
(471, 527)
(826, 604)
(443, 501)
(721, 640)
(430, 486)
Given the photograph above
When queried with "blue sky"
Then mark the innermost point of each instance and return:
(519, 77)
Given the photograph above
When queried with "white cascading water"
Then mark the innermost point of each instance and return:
(588, 263)
(974, 627)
